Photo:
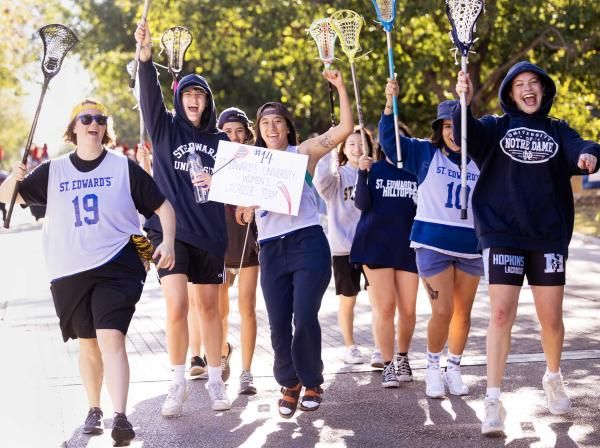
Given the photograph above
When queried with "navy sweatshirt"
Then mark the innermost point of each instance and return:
(523, 198)
(387, 198)
(173, 137)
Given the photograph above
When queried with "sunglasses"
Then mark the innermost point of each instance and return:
(86, 119)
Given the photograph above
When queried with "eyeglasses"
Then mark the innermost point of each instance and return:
(86, 119)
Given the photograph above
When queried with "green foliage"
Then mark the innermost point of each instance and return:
(257, 51)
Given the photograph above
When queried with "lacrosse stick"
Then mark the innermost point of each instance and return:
(138, 48)
(136, 93)
(175, 42)
(347, 25)
(386, 13)
(324, 37)
(463, 15)
(240, 153)
(58, 40)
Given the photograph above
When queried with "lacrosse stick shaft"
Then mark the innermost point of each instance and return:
(388, 35)
(138, 47)
(245, 243)
(463, 146)
(331, 104)
(361, 122)
(26, 153)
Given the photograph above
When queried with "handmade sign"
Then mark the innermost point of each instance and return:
(250, 175)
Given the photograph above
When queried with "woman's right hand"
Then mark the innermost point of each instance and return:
(143, 38)
(464, 85)
(365, 162)
(244, 215)
(19, 171)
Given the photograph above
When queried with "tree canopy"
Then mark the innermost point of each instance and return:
(257, 51)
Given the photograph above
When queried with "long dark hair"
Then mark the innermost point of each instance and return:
(437, 138)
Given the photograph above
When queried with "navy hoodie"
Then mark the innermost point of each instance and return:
(523, 198)
(173, 137)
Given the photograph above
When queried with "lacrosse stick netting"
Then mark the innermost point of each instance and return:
(386, 13)
(347, 25)
(463, 15)
(175, 42)
(324, 36)
(57, 40)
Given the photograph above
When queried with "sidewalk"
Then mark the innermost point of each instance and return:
(43, 404)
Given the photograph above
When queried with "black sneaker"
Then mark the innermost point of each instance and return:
(226, 369)
(93, 422)
(197, 366)
(403, 370)
(122, 431)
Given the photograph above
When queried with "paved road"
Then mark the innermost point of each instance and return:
(42, 400)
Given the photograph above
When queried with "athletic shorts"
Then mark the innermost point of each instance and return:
(431, 262)
(509, 266)
(346, 276)
(200, 267)
(100, 298)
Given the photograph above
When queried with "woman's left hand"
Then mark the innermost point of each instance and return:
(202, 180)
(334, 77)
(587, 162)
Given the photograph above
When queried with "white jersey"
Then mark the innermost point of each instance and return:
(272, 225)
(437, 223)
(338, 193)
(90, 216)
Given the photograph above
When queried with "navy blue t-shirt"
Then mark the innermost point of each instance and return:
(387, 197)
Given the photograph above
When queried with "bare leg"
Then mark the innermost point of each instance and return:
(207, 302)
(440, 288)
(381, 283)
(91, 369)
(224, 312)
(346, 318)
(114, 354)
(175, 290)
(465, 288)
(406, 286)
(193, 320)
(548, 305)
(247, 282)
(503, 302)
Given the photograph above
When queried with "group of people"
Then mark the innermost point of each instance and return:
(388, 225)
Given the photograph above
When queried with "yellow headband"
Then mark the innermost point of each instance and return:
(88, 103)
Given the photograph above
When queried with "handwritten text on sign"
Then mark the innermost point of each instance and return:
(251, 175)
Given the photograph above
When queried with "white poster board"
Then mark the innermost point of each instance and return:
(248, 175)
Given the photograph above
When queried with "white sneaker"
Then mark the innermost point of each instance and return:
(218, 396)
(176, 396)
(353, 355)
(434, 386)
(455, 383)
(376, 360)
(556, 397)
(493, 421)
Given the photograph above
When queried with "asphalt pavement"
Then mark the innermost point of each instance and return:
(42, 402)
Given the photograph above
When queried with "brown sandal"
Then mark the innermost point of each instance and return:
(289, 400)
(311, 395)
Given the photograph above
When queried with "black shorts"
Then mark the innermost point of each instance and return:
(100, 298)
(200, 267)
(346, 276)
(509, 266)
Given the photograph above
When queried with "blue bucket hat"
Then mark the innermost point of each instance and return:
(444, 112)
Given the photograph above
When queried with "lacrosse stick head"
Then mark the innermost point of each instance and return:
(386, 13)
(324, 36)
(58, 40)
(347, 25)
(463, 15)
(175, 42)
(136, 88)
